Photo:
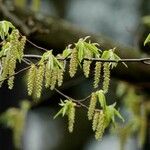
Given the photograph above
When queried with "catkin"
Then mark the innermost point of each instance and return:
(92, 106)
(71, 117)
(31, 79)
(60, 76)
(95, 120)
(39, 80)
(73, 63)
(53, 79)
(100, 126)
(106, 76)
(86, 67)
(4, 69)
(11, 71)
(21, 46)
(97, 73)
(48, 75)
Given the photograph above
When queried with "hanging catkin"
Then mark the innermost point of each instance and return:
(92, 106)
(106, 76)
(101, 125)
(97, 73)
(71, 117)
(73, 62)
(31, 79)
(39, 80)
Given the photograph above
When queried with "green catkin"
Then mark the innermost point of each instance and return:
(86, 67)
(100, 126)
(71, 117)
(95, 120)
(21, 46)
(60, 76)
(48, 74)
(73, 63)
(31, 79)
(12, 64)
(92, 106)
(97, 73)
(53, 79)
(39, 80)
(11, 71)
(4, 69)
(106, 76)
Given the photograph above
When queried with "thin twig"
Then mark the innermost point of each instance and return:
(141, 60)
(84, 99)
(68, 97)
(36, 45)
(25, 61)
(24, 69)
(32, 56)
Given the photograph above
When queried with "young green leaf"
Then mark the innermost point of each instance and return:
(147, 40)
(101, 98)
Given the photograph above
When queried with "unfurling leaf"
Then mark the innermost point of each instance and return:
(147, 40)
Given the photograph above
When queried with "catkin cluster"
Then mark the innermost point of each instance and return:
(73, 62)
(54, 76)
(43, 74)
(12, 50)
(35, 80)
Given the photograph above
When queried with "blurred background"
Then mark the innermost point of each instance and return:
(54, 24)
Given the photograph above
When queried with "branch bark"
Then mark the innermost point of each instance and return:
(56, 33)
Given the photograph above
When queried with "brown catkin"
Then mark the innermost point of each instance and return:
(39, 80)
(31, 79)
(97, 73)
(73, 63)
(92, 106)
(106, 76)
(95, 120)
(71, 117)
(86, 67)
(100, 126)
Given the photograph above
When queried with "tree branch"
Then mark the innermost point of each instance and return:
(57, 34)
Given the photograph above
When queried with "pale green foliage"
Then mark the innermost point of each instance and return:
(103, 116)
(68, 108)
(146, 20)
(147, 40)
(49, 71)
(14, 118)
(138, 110)
(11, 51)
